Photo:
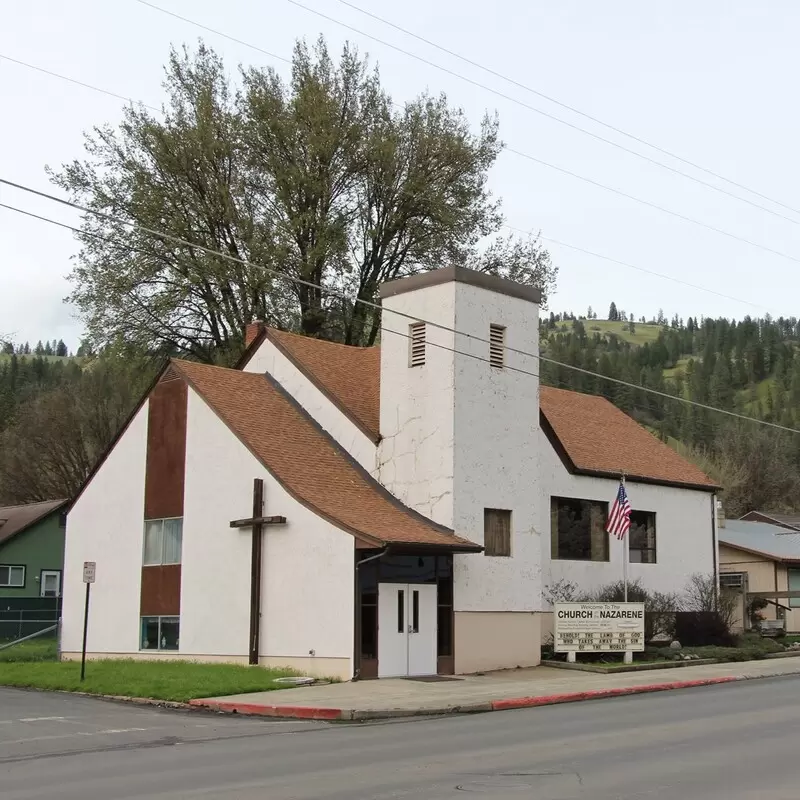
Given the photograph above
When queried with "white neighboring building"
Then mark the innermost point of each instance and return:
(414, 499)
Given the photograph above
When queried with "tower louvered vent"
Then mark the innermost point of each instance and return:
(497, 346)
(416, 343)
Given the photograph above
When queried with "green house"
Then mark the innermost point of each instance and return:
(32, 549)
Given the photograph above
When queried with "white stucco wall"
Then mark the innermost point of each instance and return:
(106, 526)
(684, 539)
(459, 436)
(307, 587)
(415, 455)
(269, 359)
(496, 458)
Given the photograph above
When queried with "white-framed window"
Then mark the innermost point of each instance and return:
(160, 633)
(163, 540)
(50, 583)
(12, 576)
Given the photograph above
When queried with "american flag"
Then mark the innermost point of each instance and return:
(619, 519)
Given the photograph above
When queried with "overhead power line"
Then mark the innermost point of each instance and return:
(539, 111)
(568, 107)
(299, 281)
(610, 259)
(75, 81)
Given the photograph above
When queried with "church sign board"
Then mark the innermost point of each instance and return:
(598, 627)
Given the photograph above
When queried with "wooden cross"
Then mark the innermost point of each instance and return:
(256, 522)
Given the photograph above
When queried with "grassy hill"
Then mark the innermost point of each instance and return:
(642, 332)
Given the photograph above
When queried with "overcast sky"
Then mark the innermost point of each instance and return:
(709, 81)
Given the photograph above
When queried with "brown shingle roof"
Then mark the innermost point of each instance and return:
(349, 375)
(308, 463)
(594, 435)
(599, 439)
(15, 519)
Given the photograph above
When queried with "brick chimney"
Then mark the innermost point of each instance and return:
(251, 332)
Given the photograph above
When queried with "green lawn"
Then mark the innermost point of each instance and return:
(161, 680)
(44, 649)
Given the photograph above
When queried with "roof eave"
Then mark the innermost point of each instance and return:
(763, 553)
(456, 546)
(31, 523)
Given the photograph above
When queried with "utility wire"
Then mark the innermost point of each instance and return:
(505, 225)
(332, 292)
(644, 270)
(213, 30)
(76, 82)
(568, 107)
(539, 111)
(299, 281)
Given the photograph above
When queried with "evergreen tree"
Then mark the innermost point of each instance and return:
(613, 314)
(61, 348)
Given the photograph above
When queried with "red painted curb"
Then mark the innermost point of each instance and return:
(254, 709)
(595, 694)
(332, 714)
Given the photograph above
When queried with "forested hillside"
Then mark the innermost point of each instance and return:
(57, 415)
(750, 367)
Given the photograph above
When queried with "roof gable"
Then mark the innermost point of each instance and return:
(16, 519)
(308, 463)
(350, 376)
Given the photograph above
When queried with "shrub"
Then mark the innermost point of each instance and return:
(659, 607)
(699, 628)
(562, 591)
(702, 594)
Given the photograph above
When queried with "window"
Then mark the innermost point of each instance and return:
(416, 344)
(732, 580)
(162, 541)
(50, 583)
(578, 529)
(794, 586)
(496, 532)
(160, 633)
(497, 346)
(12, 577)
(642, 538)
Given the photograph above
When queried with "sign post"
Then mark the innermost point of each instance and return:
(89, 571)
(598, 628)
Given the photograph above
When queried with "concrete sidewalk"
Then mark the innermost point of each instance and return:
(522, 688)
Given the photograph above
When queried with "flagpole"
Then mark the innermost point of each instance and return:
(624, 541)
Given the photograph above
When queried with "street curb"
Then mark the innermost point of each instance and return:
(363, 715)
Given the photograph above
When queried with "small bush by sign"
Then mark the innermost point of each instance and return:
(699, 628)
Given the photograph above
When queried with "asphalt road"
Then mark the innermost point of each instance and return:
(737, 742)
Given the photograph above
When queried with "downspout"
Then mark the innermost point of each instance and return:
(716, 549)
(357, 606)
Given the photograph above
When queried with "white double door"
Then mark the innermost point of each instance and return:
(406, 629)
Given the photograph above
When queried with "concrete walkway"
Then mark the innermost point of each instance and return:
(381, 699)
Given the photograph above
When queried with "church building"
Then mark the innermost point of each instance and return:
(349, 512)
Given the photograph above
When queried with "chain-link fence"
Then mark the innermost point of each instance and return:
(29, 628)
